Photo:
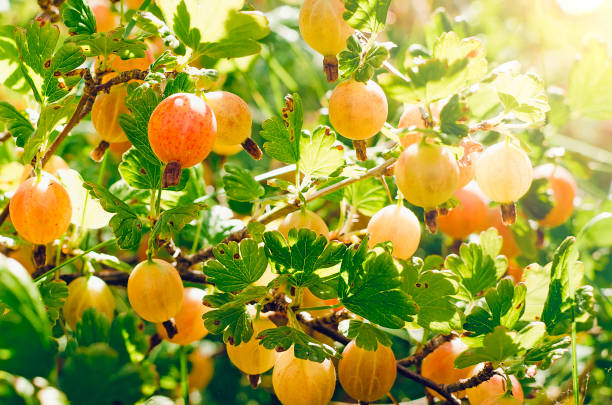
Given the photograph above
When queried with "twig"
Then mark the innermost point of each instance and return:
(483, 375)
(450, 398)
(120, 278)
(429, 347)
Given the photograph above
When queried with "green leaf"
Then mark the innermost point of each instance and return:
(319, 156)
(256, 231)
(233, 317)
(53, 294)
(497, 346)
(17, 125)
(450, 114)
(455, 65)
(283, 135)
(590, 82)
(352, 61)
(25, 342)
(302, 254)
(598, 231)
(93, 327)
(367, 196)
(127, 338)
(432, 291)
(78, 17)
(113, 382)
(547, 352)
(366, 335)
(522, 95)
(503, 306)
(304, 346)
(216, 29)
(36, 43)
(138, 171)
(478, 265)
(125, 224)
(237, 265)
(182, 83)
(111, 42)
(372, 290)
(239, 185)
(172, 221)
(538, 201)
(367, 15)
(537, 279)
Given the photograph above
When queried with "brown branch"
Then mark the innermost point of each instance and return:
(429, 347)
(120, 278)
(483, 375)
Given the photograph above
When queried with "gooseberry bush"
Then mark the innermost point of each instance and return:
(331, 201)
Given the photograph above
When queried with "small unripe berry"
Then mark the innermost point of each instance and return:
(251, 357)
(88, 292)
(233, 117)
(304, 219)
(398, 225)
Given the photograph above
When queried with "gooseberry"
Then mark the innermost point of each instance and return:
(106, 20)
(88, 292)
(468, 217)
(182, 131)
(427, 176)
(504, 173)
(303, 382)
(188, 320)
(155, 290)
(233, 117)
(493, 390)
(323, 28)
(563, 187)
(358, 111)
(367, 375)
(40, 209)
(202, 369)
(467, 169)
(303, 219)
(251, 357)
(439, 365)
(412, 117)
(105, 114)
(396, 224)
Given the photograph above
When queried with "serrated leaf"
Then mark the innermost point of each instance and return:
(304, 347)
(125, 224)
(283, 135)
(237, 265)
(431, 290)
(302, 254)
(590, 82)
(36, 43)
(372, 290)
(93, 327)
(367, 196)
(108, 43)
(256, 231)
(503, 306)
(127, 338)
(172, 221)
(138, 171)
(478, 265)
(497, 346)
(17, 125)
(455, 65)
(182, 83)
(239, 185)
(216, 29)
(78, 17)
(450, 114)
(233, 318)
(538, 201)
(53, 294)
(366, 335)
(367, 15)
(319, 156)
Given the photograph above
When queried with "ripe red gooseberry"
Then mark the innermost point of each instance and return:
(40, 209)
(182, 130)
(427, 176)
(189, 322)
(250, 357)
(504, 173)
(439, 365)
(396, 224)
(303, 382)
(358, 111)
(155, 290)
(304, 219)
(563, 187)
(323, 28)
(492, 391)
(468, 217)
(367, 375)
(87, 292)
